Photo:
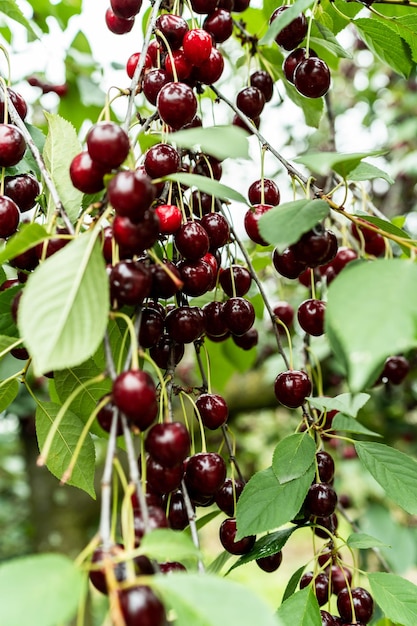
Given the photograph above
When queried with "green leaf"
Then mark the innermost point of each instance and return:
(355, 337)
(385, 43)
(207, 185)
(367, 171)
(347, 403)
(8, 392)
(284, 19)
(293, 457)
(283, 225)
(393, 470)
(48, 586)
(388, 227)
(221, 142)
(219, 562)
(406, 27)
(7, 325)
(351, 425)
(265, 504)
(11, 9)
(396, 596)
(312, 107)
(266, 546)
(342, 163)
(292, 584)
(63, 445)
(195, 600)
(66, 327)
(301, 609)
(62, 133)
(363, 541)
(164, 544)
(322, 37)
(28, 236)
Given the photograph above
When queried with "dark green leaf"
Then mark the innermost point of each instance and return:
(293, 456)
(351, 425)
(363, 541)
(221, 142)
(393, 470)
(266, 546)
(342, 163)
(8, 392)
(207, 185)
(354, 334)
(292, 584)
(219, 562)
(385, 43)
(283, 225)
(49, 586)
(265, 504)
(396, 596)
(284, 19)
(346, 403)
(7, 325)
(301, 608)
(28, 236)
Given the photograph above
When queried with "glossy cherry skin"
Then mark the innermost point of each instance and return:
(161, 479)
(340, 577)
(219, 24)
(141, 607)
(177, 66)
(215, 323)
(362, 602)
(23, 189)
(97, 575)
(292, 388)
(185, 324)
(177, 512)
(118, 25)
(166, 280)
(395, 369)
(235, 280)
(166, 353)
(263, 81)
(130, 282)
(9, 217)
(152, 83)
(228, 493)
(161, 160)
(250, 222)
(287, 264)
(310, 315)
(203, 6)
(176, 104)
(217, 229)
(170, 218)
(285, 313)
(168, 443)
(192, 241)
(12, 145)
(197, 277)
(197, 45)
(151, 327)
(17, 100)
(86, 175)
(316, 247)
(270, 563)
(134, 394)
(205, 473)
(293, 59)
(135, 237)
(105, 418)
(250, 100)
(108, 144)
(312, 77)
(213, 410)
(325, 466)
(271, 194)
(321, 500)
(126, 8)
(173, 27)
(211, 70)
(293, 34)
(227, 535)
(131, 193)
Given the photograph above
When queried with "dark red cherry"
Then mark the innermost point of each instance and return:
(131, 193)
(105, 418)
(118, 25)
(211, 70)
(228, 495)
(270, 563)
(213, 410)
(287, 263)
(9, 217)
(17, 100)
(235, 280)
(325, 466)
(293, 59)
(130, 282)
(239, 315)
(151, 326)
(250, 100)
(248, 340)
(292, 388)
(340, 577)
(162, 479)
(312, 77)
(219, 24)
(284, 312)
(205, 473)
(329, 523)
(22, 189)
(227, 535)
(166, 353)
(134, 394)
(263, 81)
(126, 8)
(161, 160)
(192, 241)
(157, 519)
(12, 145)
(168, 443)
(197, 45)
(362, 601)
(185, 324)
(176, 104)
(177, 66)
(250, 222)
(214, 318)
(203, 6)
(314, 246)
(217, 228)
(97, 573)
(310, 315)
(87, 175)
(177, 512)
(173, 28)
(321, 500)
(152, 83)
(269, 189)
(166, 280)
(140, 606)
(395, 369)
(293, 34)
(108, 144)
(197, 277)
(209, 166)
(135, 237)
(327, 619)
(343, 256)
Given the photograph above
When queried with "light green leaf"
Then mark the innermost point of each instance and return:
(363, 541)
(322, 37)
(66, 327)
(301, 608)
(355, 337)
(62, 133)
(7, 325)
(195, 600)
(63, 445)
(312, 107)
(367, 171)
(406, 27)
(28, 236)
(396, 596)
(385, 43)
(293, 456)
(164, 544)
(393, 470)
(283, 225)
(207, 185)
(266, 546)
(342, 163)
(265, 504)
(8, 392)
(284, 19)
(292, 584)
(351, 425)
(388, 227)
(11, 9)
(347, 403)
(221, 142)
(48, 586)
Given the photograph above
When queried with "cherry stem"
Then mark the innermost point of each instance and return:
(231, 451)
(192, 521)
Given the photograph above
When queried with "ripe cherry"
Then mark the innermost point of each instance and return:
(293, 59)
(161, 479)
(228, 495)
(205, 473)
(270, 563)
(197, 45)
(211, 70)
(170, 218)
(108, 144)
(118, 25)
(321, 500)
(268, 187)
(132, 62)
(251, 219)
(87, 175)
(126, 8)
(12, 145)
(130, 282)
(325, 466)
(23, 189)
(235, 280)
(134, 394)
(173, 28)
(292, 388)
(166, 353)
(213, 410)
(166, 280)
(293, 34)
(152, 83)
(227, 535)
(135, 237)
(217, 229)
(239, 315)
(105, 418)
(176, 104)
(131, 193)
(263, 81)
(363, 604)
(219, 24)
(312, 77)
(139, 605)
(177, 66)
(251, 101)
(395, 369)
(192, 241)
(161, 160)
(287, 263)
(97, 573)
(197, 277)
(284, 313)
(310, 315)
(185, 324)
(9, 217)
(168, 443)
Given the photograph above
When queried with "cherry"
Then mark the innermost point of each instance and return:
(139, 605)
(131, 193)
(228, 494)
(376, 247)
(192, 241)
(325, 466)
(321, 585)
(239, 315)
(156, 516)
(217, 229)
(270, 563)
(219, 24)
(250, 100)
(161, 160)
(177, 512)
(166, 280)
(105, 418)
(26, 261)
(285, 313)
(262, 80)
(168, 443)
(97, 575)
(214, 321)
(134, 238)
(203, 6)
(185, 324)
(152, 83)
(86, 175)
(316, 247)
(126, 8)
(12, 145)
(162, 479)
(118, 25)
(170, 218)
(166, 353)
(211, 70)
(151, 327)
(248, 340)
(363, 604)
(321, 500)
(327, 619)
(213, 410)
(310, 315)
(134, 394)
(293, 59)
(108, 144)
(312, 77)
(17, 100)
(23, 189)
(227, 535)
(270, 190)
(205, 473)
(197, 277)
(287, 264)
(235, 280)
(173, 28)
(340, 577)
(177, 66)
(209, 166)
(9, 217)
(292, 388)
(130, 282)
(330, 523)
(197, 45)
(132, 63)
(293, 34)
(240, 5)
(250, 222)
(395, 369)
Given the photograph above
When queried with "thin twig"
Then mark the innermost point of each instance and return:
(192, 520)
(105, 512)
